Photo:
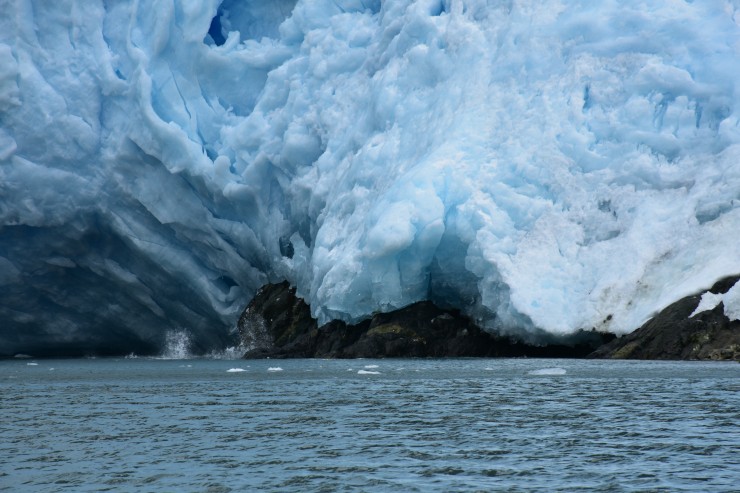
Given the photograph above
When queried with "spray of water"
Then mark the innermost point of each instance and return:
(231, 352)
(177, 345)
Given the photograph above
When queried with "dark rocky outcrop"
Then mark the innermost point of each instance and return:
(277, 324)
(674, 334)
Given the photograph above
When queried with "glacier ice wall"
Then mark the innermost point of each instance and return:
(544, 166)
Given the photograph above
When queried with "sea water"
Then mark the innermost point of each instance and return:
(368, 425)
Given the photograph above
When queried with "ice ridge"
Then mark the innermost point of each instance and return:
(544, 166)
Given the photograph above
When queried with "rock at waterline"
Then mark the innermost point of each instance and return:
(278, 324)
(680, 331)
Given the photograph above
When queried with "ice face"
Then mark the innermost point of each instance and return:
(545, 167)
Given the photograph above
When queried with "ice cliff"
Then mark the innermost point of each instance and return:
(545, 166)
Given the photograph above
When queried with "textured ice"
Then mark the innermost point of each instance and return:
(545, 166)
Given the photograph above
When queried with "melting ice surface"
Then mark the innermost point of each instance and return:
(544, 166)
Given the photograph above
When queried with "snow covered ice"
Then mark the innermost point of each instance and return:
(544, 166)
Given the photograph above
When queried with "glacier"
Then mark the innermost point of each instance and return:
(543, 166)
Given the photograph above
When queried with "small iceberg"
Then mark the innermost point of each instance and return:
(371, 366)
(366, 372)
(549, 371)
(32, 364)
(274, 368)
(235, 370)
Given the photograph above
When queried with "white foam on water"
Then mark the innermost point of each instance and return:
(371, 366)
(366, 372)
(274, 368)
(32, 364)
(548, 371)
(235, 370)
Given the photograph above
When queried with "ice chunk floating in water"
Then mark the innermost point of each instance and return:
(544, 166)
(549, 372)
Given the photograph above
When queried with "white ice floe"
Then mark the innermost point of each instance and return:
(367, 372)
(235, 370)
(274, 368)
(548, 371)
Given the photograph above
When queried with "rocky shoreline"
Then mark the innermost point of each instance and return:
(278, 324)
(678, 333)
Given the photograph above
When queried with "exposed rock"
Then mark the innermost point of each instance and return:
(274, 318)
(277, 324)
(675, 334)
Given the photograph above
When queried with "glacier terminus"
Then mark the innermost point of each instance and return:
(543, 166)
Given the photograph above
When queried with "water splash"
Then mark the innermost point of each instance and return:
(253, 331)
(177, 345)
(231, 352)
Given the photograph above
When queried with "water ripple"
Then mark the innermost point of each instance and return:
(417, 425)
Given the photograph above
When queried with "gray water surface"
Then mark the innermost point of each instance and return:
(369, 425)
